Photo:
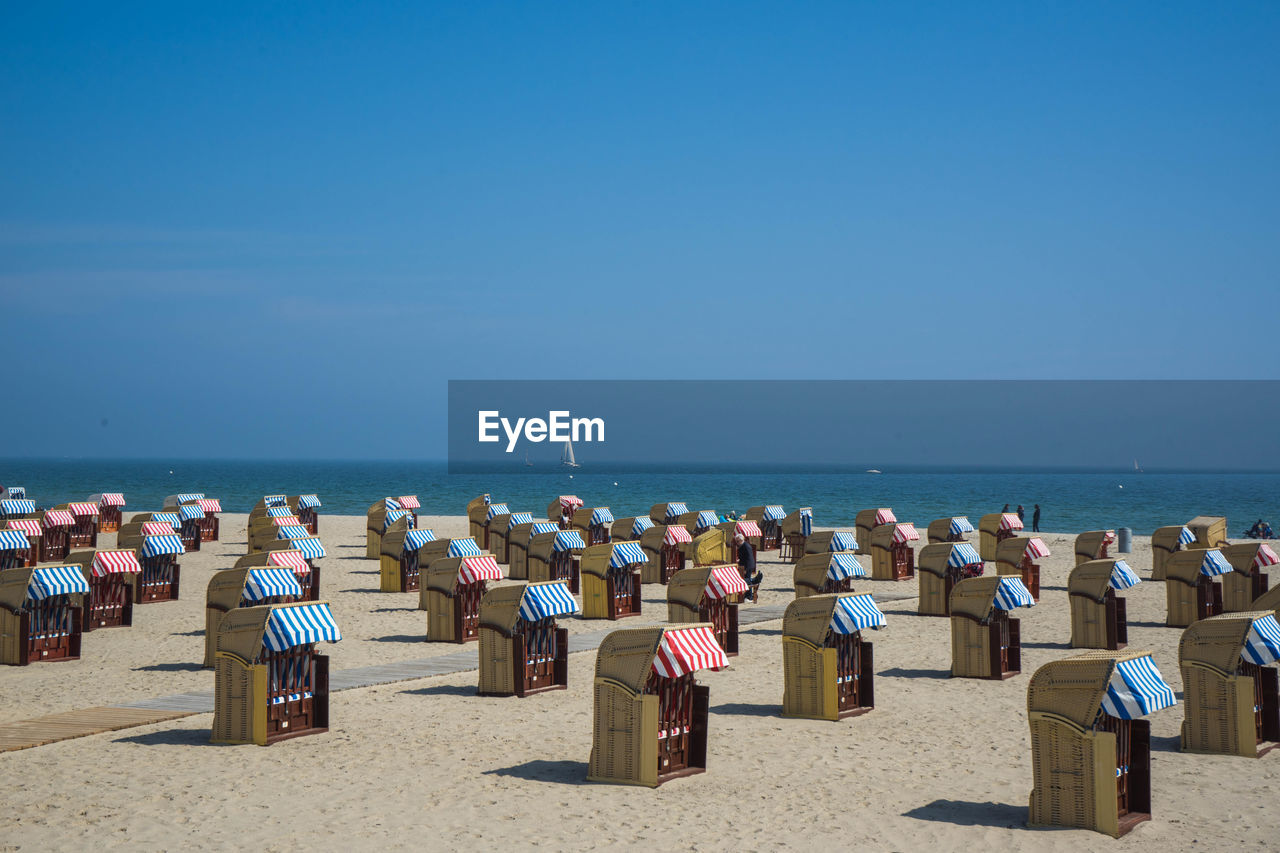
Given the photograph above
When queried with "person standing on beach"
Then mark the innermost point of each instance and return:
(1035, 520)
(747, 565)
(1022, 514)
(1006, 508)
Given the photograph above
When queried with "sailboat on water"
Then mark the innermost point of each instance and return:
(566, 456)
(1136, 468)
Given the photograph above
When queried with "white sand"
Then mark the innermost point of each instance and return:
(939, 762)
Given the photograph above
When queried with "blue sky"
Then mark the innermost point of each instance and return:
(234, 230)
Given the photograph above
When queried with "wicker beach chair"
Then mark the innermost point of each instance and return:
(1240, 588)
(827, 573)
(941, 566)
(954, 528)
(161, 571)
(57, 524)
(518, 545)
(985, 641)
(1165, 541)
(556, 555)
(1017, 555)
(477, 514)
(522, 650)
(749, 530)
(307, 509)
(667, 513)
(708, 594)
(40, 614)
(400, 568)
(796, 528)
(561, 510)
(1210, 530)
(451, 596)
(711, 547)
(284, 556)
(1231, 692)
(494, 528)
(1099, 617)
(112, 575)
(892, 557)
(110, 509)
(868, 520)
(611, 580)
(433, 550)
(828, 671)
(769, 517)
(1193, 587)
(664, 549)
(830, 540)
(247, 587)
(594, 523)
(993, 529)
(1093, 544)
(16, 549)
(84, 529)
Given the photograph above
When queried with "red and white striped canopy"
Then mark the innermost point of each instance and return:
(115, 562)
(209, 504)
(1108, 536)
(482, 568)
(675, 535)
(570, 501)
(1265, 557)
(58, 518)
(685, 650)
(409, 502)
(749, 529)
(905, 532)
(157, 528)
(725, 581)
(289, 560)
(285, 520)
(1036, 548)
(1010, 521)
(885, 516)
(83, 509)
(29, 526)
(112, 499)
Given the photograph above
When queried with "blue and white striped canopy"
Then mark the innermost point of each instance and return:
(464, 548)
(543, 527)
(1215, 564)
(852, 613)
(167, 517)
(626, 554)
(960, 524)
(17, 506)
(1122, 577)
(392, 503)
(773, 512)
(1262, 644)
(278, 511)
(395, 515)
(962, 554)
(274, 500)
(308, 501)
(707, 518)
(676, 509)
(309, 546)
(1136, 689)
(806, 522)
(843, 541)
(601, 515)
(415, 539)
(545, 601)
(267, 583)
(48, 581)
(1186, 537)
(186, 497)
(154, 546)
(12, 540)
(290, 627)
(1012, 593)
(16, 491)
(519, 518)
(292, 531)
(497, 509)
(187, 512)
(844, 565)
(641, 524)
(567, 540)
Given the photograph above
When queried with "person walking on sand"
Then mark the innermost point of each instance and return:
(1035, 520)
(1022, 514)
(747, 566)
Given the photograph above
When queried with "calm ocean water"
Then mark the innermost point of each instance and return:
(1070, 501)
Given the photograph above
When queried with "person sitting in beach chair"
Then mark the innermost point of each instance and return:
(747, 566)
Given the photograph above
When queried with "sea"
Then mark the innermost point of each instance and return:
(1070, 500)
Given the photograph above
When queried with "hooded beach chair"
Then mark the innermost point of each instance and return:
(40, 614)
(594, 523)
(269, 681)
(554, 555)
(769, 517)
(400, 569)
(1230, 689)
(892, 557)
(522, 650)
(868, 520)
(561, 510)
(499, 525)
(667, 513)
(1248, 581)
(496, 517)
(190, 517)
(112, 575)
(1090, 747)
(942, 565)
(16, 549)
(208, 523)
(1017, 556)
(994, 529)
(1093, 544)
(650, 715)
(451, 596)
(438, 549)
(625, 530)
(611, 580)
(1099, 618)
(663, 547)
(1210, 530)
(985, 641)
(307, 509)
(709, 548)
(248, 587)
(1166, 541)
(828, 671)
(708, 594)
(827, 573)
(110, 509)
(57, 524)
(750, 532)
(161, 572)
(375, 523)
(293, 559)
(830, 540)
(1193, 585)
(15, 507)
(955, 528)
(518, 539)
(796, 528)
(699, 521)
(84, 526)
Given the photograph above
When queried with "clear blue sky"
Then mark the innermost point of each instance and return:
(237, 230)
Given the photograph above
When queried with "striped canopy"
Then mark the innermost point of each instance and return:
(1262, 644)
(483, 567)
(285, 520)
(1136, 689)
(83, 508)
(294, 560)
(395, 515)
(497, 509)
(626, 554)
(391, 503)
(960, 524)
(905, 532)
(1122, 577)
(707, 518)
(308, 501)
(1036, 549)
(463, 548)
(185, 497)
(806, 522)
(570, 502)
(685, 650)
(115, 562)
(675, 535)
(843, 541)
(774, 512)
(48, 581)
(156, 528)
(410, 502)
(292, 531)
(885, 516)
(190, 512)
(279, 512)
(543, 527)
(845, 565)
(641, 524)
(309, 546)
(1011, 593)
(601, 515)
(29, 526)
(274, 500)
(1265, 557)
(260, 584)
(15, 491)
(519, 518)
(725, 581)
(58, 518)
(1185, 536)
(568, 540)
(1010, 521)
(155, 546)
(415, 539)
(546, 601)
(171, 517)
(13, 540)
(962, 554)
(676, 509)
(17, 506)
(290, 627)
(852, 613)
(1214, 564)
(749, 529)
(209, 504)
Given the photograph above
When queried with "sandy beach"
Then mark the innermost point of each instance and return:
(939, 762)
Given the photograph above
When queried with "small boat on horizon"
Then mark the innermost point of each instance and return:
(566, 457)
(874, 471)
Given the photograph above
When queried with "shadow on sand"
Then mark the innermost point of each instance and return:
(962, 813)
(542, 770)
